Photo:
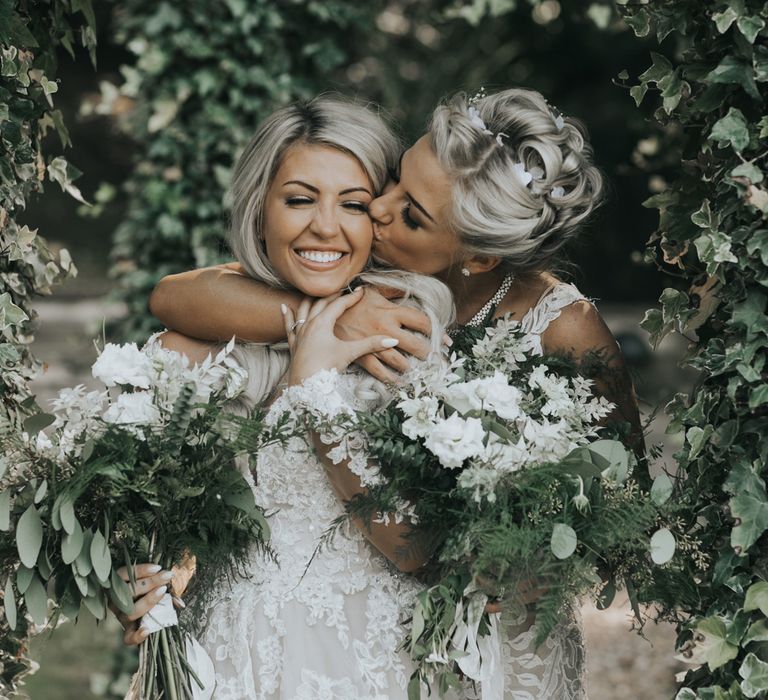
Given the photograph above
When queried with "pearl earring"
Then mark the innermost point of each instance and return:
(465, 272)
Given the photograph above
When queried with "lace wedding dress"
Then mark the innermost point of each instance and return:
(326, 624)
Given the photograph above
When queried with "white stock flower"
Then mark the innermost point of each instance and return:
(456, 439)
(135, 408)
(422, 414)
(123, 364)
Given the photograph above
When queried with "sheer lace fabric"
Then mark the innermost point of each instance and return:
(327, 624)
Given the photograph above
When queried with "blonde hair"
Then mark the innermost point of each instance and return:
(493, 211)
(326, 120)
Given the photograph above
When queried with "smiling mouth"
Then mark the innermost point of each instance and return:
(319, 257)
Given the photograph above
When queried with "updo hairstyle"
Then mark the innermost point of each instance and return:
(521, 191)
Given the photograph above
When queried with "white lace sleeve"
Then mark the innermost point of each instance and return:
(547, 309)
(326, 403)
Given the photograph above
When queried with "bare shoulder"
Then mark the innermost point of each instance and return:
(580, 329)
(196, 350)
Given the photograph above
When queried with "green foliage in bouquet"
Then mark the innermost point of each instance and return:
(197, 97)
(709, 88)
(30, 34)
(500, 462)
(147, 474)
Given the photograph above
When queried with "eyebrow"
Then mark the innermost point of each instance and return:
(414, 201)
(317, 191)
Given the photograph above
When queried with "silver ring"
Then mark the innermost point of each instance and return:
(297, 323)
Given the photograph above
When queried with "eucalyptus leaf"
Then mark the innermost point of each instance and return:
(29, 536)
(661, 489)
(663, 546)
(23, 578)
(36, 601)
(5, 510)
(83, 563)
(120, 593)
(9, 604)
(100, 556)
(41, 491)
(96, 604)
(563, 541)
(72, 544)
(67, 514)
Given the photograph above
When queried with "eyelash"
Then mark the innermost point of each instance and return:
(405, 214)
(356, 206)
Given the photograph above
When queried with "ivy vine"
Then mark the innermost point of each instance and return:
(29, 36)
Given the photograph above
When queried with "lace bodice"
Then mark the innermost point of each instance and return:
(315, 623)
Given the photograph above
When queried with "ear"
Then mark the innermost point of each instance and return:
(478, 264)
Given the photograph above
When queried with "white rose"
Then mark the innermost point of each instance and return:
(133, 408)
(501, 398)
(456, 439)
(123, 364)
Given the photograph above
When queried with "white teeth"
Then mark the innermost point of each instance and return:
(320, 256)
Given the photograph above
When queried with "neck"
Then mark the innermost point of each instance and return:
(470, 293)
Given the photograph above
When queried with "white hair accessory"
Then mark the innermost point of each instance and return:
(522, 174)
(476, 121)
(558, 192)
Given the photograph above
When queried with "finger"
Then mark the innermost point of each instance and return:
(492, 608)
(178, 602)
(134, 635)
(394, 359)
(356, 348)
(304, 308)
(414, 320)
(139, 571)
(377, 369)
(415, 345)
(321, 304)
(150, 583)
(144, 604)
(288, 324)
(335, 308)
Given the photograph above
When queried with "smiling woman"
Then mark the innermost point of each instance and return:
(317, 234)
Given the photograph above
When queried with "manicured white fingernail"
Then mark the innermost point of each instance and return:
(447, 340)
(284, 309)
(160, 592)
(167, 576)
(179, 602)
(154, 568)
(389, 342)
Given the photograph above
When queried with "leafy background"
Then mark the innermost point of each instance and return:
(179, 88)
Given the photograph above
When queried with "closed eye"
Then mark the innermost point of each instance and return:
(405, 214)
(296, 201)
(356, 206)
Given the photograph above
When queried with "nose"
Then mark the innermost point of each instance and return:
(325, 223)
(380, 209)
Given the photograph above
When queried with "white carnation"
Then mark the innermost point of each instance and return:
(456, 439)
(135, 408)
(123, 364)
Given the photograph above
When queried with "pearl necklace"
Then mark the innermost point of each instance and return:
(501, 292)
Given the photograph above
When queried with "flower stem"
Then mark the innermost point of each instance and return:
(170, 676)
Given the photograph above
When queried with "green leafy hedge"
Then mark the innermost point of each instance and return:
(198, 97)
(711, 88)
(29, 35)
